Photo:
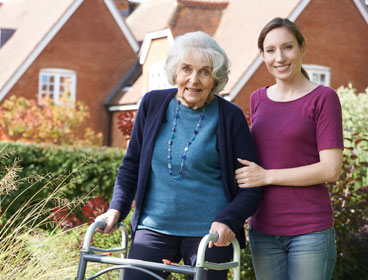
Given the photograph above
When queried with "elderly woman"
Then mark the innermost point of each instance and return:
(180, 163)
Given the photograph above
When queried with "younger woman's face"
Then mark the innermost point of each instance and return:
(282, 54)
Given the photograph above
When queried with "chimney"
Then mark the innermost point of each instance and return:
(193, 15)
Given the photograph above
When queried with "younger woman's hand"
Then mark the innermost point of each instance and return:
(251, 175)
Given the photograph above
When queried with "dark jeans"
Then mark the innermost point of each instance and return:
(152, 246)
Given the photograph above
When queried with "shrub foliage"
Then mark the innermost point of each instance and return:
(350, 193)
(26, 120)
(94, 169)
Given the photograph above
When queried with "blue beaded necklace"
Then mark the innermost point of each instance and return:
(172, 136)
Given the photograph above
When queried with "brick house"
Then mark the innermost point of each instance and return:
(336, 35)
(109, 55)
(49, 47)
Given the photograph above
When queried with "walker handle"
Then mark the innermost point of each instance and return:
(101, 225)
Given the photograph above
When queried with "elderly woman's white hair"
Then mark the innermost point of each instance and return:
(207, 49)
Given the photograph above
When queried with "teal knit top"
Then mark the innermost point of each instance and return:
(185, 206)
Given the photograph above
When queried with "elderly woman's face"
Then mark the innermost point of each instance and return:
(194, 80)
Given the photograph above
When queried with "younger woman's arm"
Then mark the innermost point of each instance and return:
(328, 169)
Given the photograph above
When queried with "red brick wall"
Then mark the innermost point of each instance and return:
(260, 78)
(91, 44)
(194, 17)
(336, 36)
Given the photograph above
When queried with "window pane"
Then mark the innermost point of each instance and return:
(65, 85)
(157, 78)
(47, 86)
(44, 79)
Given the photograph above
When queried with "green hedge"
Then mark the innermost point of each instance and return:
(84, 171)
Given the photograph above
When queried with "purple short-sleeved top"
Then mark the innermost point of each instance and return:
(291, 134)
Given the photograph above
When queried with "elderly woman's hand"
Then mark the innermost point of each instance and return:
(251, 175)
(226, 235)
(111, 217)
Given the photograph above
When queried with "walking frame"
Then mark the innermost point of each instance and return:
(99, 255)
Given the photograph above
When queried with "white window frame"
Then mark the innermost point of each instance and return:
(315, 73)
(157, 78)
(57, 73)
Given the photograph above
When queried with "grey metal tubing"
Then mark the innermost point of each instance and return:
(123, 267)
(81, 267)
(124, 263)
(101, 225)
(87, 249)
(189, 270)
(124, 242)
(201, 264)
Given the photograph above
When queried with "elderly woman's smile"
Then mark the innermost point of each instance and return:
(194, 80)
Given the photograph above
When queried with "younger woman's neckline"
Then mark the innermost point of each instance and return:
(291, 100)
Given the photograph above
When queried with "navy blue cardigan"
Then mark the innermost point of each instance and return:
(233, 141)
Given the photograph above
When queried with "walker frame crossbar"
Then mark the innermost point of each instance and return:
(98, 255)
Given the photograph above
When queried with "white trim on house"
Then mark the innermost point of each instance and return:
(244, 79)
(40, 47)
(122, 25)
(148, 39)
(362, 9)
(119, 108)
(298, 10)
(318, 73)
(258, 61)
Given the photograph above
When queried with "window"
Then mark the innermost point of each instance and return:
(157, 78)
(5, 35)
(54, 83)
(318, 74)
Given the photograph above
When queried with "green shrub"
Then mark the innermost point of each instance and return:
(350, 193)
(95, 170)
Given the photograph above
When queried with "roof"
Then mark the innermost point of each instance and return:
(130, 91)
(151, 16)
(237, 30)
(36, 22)
(244, 20)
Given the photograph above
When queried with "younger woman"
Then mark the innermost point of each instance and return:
(297, 130)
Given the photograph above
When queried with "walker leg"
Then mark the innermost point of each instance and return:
(199, 273)
(121, 275)
(81, 268)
